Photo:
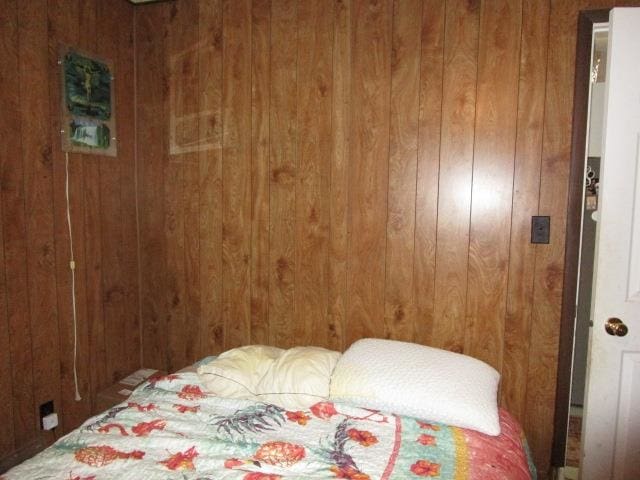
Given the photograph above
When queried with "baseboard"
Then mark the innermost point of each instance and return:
(20, 455)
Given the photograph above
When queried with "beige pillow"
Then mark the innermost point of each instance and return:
(293, 379)
(299, 378)
(235, 373)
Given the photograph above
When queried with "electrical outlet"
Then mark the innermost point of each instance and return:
(50, 421)
(46, 409)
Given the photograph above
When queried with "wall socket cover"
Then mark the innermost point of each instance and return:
(540, 229)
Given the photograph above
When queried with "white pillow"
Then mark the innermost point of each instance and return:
(418, 381)
(293, 379)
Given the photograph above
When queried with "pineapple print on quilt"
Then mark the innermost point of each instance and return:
(171, 429)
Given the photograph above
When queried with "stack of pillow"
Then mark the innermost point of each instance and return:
(404, 378)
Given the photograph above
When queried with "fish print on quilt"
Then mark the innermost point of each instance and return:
(171, 429)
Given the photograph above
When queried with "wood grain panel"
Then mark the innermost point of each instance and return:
(93, 320)
(403, 154)
(456, 163)
(125, 111)
(178, 63)
(7, 436)
(315, 43)
(378, 162)
(236, 171)
(428, 166)
(183, 192)
(152, 142)
(6, 386)
(38, 178)
(113, 296)
(495, 136)
(526, 189)
(549, 266)
(63, 29)
(283, 131)
(114, 269)
(93, 275)
(339, 187)
(35, 238)
(260, 106)
(288, 149)
(22, 426)
(190, 38)
(210, 159)
(368, 166)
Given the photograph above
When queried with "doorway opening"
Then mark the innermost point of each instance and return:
(587, 248)
(611, 420)
(574, 332)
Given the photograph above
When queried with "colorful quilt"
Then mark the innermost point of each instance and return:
(171, 429)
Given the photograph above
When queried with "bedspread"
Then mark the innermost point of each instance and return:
(171, 429)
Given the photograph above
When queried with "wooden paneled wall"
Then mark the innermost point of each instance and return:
(318, 171)
(314, 172)
(36, 328)
(309, 172)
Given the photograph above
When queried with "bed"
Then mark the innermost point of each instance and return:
(173, 428)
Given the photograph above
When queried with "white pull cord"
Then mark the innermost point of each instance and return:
(72, 266)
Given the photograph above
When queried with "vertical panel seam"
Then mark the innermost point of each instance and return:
(348, 171)
(389, 112)
(251, 170)
(29, 312)
(136, 184)
(6, 307)
(91, 324)
(249, 269)
(414, 316)
(542, 153)
(198, 162)
(222, 160)
(249, 18)
(437, 219)
(121, 244)
(199, 202)
(53, 230)
(21, 159)
(513, 186)
(329, 312)
(268, 209)
(296, 169)
(478, 20)
(269, 93)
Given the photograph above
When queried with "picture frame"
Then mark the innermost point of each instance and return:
(192, 126)
(88, 121)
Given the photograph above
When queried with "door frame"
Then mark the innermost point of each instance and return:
(586, 20)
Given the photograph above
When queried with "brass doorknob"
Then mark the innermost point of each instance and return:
(616, 327)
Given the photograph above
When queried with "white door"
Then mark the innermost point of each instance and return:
(611, 433)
